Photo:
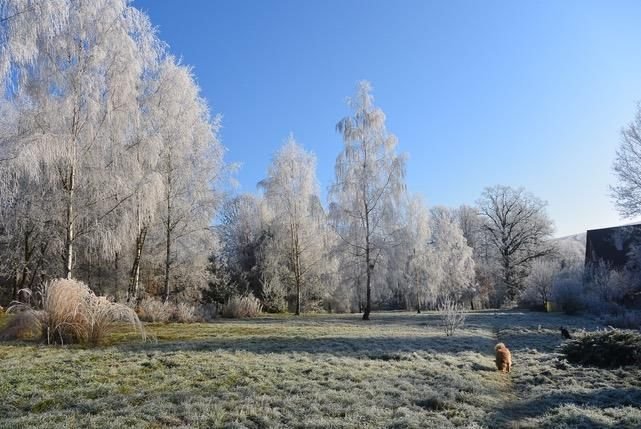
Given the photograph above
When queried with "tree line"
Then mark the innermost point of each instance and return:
(375, 244)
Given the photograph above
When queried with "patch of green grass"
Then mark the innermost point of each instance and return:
(398, 370)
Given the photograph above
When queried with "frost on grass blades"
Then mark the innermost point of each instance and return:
(326, 370)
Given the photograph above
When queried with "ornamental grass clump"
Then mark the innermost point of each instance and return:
(155, 310)
(242, 306)
(185, 313)
(605, 349)
(71, 313)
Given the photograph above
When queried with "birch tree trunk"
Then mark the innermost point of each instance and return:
(69, 225)
(168, 239)
(134, 274)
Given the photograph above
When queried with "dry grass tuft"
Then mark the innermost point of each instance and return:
(71, 313)
(185, 313)
(242, 306)
(154, 310)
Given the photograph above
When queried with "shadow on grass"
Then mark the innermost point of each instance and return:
(385, 348)
(602, 398)
(478, 367)
(516, 340)
(484, 319)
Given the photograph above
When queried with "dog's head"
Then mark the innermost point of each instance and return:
(499, 346)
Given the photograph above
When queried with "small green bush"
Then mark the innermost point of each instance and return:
(605, 349)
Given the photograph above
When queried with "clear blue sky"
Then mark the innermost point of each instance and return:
(529, 93)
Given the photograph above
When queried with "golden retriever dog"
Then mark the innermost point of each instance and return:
(503, 358)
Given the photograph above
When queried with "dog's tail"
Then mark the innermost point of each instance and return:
(499, 346)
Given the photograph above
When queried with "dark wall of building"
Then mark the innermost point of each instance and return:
(611, 245)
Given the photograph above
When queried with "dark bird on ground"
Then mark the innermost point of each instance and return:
(565, 333)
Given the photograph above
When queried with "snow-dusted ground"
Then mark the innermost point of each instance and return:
(398, 370)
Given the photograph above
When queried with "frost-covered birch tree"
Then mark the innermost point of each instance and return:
(418, 249)
(291, 193)
(450, 261)
(471, 223)
(72, 70)
(189, 166)
(541, 278)
(368, 186)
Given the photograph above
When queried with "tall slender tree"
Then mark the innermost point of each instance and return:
(368, 186)
(418, 249)
(291, 192)
(189, 165)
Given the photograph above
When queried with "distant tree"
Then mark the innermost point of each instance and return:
(418, 250)
(541, 279)
(517, 229)
(291, 193)
(275, 275)
(220, 286)
(469, 221)
(627, 168)
(243, 232)
(368, 186)
(450, 259)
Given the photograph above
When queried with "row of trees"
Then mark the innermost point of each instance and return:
(108, 154)
(110, 167)
(375, 244)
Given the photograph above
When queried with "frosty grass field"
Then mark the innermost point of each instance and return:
(397, 371)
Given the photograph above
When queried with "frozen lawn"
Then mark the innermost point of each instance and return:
(397, 371)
